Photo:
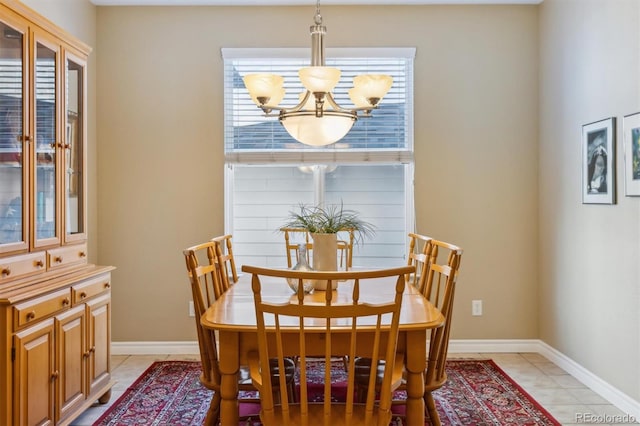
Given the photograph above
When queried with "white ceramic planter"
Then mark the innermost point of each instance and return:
(325, 257)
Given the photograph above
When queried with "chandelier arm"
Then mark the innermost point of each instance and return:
(269, 109)
(306, 113)
(336, 107)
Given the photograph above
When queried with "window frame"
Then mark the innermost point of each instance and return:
(327, 155)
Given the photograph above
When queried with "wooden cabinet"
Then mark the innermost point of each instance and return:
(42, 132)
(58, 329)
(55, 307)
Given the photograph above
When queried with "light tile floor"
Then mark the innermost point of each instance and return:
(567, 399)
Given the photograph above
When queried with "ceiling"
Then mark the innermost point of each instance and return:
(297, 2)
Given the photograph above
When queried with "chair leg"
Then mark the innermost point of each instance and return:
(430, 407)
(213, 414)
(291, 390)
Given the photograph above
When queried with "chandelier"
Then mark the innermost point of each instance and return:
(317, 120)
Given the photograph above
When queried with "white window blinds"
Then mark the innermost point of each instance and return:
(249, 135)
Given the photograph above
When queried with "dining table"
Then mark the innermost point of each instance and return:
(233, 317)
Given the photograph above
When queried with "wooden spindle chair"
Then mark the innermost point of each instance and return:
(289, 336)
(417, 256)
(437, 283)
(226, 261)
(204, 278)
(293, 237)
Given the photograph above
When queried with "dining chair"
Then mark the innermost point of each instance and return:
(417, 256)
(293, 237)
(204, 278)
(441, 264)
(304, 326)
(439, 289)
(224, 253)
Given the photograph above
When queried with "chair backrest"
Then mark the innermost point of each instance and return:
(313, 318)
(417, 256)
(293, 237)
(224, 252)
(439, 289)
(204, 277)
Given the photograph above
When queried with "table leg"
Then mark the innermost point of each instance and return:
(415, 363)
(229, 366)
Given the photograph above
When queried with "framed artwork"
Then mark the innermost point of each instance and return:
(631, 128)
(598, 162)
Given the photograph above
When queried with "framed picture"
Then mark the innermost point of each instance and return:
(598, 162)
(631, 128)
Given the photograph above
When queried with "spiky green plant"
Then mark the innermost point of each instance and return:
(329, 220)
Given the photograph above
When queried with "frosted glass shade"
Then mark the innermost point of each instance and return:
(317, 131)
(267, 86)
(372, 85)
(358, 99)
(319, 79)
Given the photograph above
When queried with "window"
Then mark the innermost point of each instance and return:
(269, 174)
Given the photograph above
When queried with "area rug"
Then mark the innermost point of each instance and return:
(477, 393)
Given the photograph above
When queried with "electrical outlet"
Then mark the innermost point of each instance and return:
(476, 308)
(192, 311)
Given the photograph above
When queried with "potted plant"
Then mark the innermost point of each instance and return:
(324, 223)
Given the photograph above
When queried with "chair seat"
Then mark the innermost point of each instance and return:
(316, 415)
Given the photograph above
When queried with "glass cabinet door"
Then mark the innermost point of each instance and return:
(74, 202)
(46, 131)
(13, 172)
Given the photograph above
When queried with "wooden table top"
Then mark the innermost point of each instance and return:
(235, 310)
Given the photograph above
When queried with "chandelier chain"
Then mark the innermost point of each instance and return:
(317, 18)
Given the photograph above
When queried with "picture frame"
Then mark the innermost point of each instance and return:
(631, 128)
(598, 162)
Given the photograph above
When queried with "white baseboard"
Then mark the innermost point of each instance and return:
(612, 394)
(155, 348)
(616, 397)
(488, 346)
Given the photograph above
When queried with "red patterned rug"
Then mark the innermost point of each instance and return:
(477, 393)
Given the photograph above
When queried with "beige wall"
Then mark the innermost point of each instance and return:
(161, 148)
(589, 269)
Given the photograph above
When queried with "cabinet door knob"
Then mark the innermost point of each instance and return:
(107, 285)
(31, 315)
(66, 301)
(55, 375)
(38, 263)
(83, 295)
(6, 272)
(82, 254)
(57, 259)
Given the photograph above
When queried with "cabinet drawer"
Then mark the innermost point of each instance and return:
(64, 256)
(81, 292)
(33, 310)
(21, 266)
